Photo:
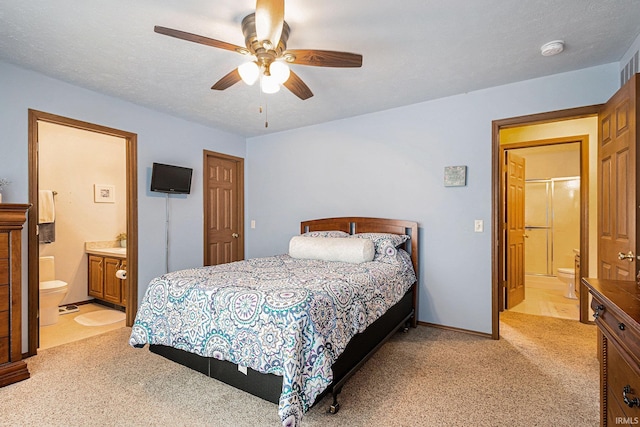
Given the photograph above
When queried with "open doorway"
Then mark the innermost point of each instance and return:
(549, 126)
(552, 226)
(101, 194)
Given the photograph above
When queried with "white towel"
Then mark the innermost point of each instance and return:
(46, 209)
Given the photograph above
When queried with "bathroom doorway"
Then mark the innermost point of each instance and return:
(74, 193)
(552, 200)
(572, 124)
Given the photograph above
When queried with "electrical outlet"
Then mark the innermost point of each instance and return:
(478, 226)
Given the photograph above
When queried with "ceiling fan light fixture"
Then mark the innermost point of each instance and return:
(269, 84)
(249, 72)
(279, 71)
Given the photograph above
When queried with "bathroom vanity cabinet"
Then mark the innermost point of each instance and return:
(12, 367)
(103, 283)
(616, 306)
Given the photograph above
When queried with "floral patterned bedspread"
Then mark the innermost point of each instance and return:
(280, 315)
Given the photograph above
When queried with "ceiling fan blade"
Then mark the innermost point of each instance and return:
(324, 58)
(269, 21)
(298, 87)
(198, 39)
(227, 81)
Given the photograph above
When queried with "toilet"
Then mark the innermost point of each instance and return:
(568, 275)
(52, 291)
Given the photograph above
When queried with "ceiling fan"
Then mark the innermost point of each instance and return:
(266, 34)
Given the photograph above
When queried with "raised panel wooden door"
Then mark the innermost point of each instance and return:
(224, 240)
(617, 183)
(515, 230)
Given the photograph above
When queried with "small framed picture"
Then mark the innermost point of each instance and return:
(455, 176)
(104, 193)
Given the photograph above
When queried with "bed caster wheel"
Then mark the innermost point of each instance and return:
(333, 409)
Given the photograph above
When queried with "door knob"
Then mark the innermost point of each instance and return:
(629, 256)
(235, 235)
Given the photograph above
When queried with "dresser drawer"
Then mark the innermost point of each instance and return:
(4, 297)
(4, 324)
(622, 381)
(4, 245)
(4, 350)
(625, 333)
(4, 271)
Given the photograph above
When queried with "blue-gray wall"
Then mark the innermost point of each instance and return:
(391, 164)
(161, 138)
(388, 164)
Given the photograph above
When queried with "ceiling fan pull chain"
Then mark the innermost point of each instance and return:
(266, 114)
(260, 92)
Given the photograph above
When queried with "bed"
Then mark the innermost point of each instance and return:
(284, 328)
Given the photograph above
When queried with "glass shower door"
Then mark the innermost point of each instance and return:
(538, 245)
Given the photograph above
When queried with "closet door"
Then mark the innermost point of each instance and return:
(223, 208)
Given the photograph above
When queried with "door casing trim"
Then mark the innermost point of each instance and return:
(497, 261)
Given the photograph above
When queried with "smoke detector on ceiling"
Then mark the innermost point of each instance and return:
(552, 48)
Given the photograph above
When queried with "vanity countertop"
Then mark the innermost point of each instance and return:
(114, 252)
(111, 249)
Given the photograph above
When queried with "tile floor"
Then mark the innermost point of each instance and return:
(68, 330)
(544, 296)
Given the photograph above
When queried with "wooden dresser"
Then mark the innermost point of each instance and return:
(616, 306)
(12, 367)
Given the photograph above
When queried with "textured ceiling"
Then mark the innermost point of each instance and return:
(413, 50)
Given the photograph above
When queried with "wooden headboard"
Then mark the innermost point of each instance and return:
(355, 224)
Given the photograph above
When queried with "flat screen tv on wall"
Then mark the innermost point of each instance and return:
(171, 179)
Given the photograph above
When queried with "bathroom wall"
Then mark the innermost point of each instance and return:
(584, 126)
(71, 161)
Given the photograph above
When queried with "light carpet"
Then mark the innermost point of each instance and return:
(100, 317)
(542, 372)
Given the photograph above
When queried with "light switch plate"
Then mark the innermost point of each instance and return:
(478, 226)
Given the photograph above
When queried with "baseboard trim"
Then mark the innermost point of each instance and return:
(451, 328)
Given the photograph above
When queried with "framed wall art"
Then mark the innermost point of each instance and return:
(455, 176)
(104, 193)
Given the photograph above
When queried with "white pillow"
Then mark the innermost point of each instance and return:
(332, 249)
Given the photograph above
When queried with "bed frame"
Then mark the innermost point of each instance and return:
(360, 348)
